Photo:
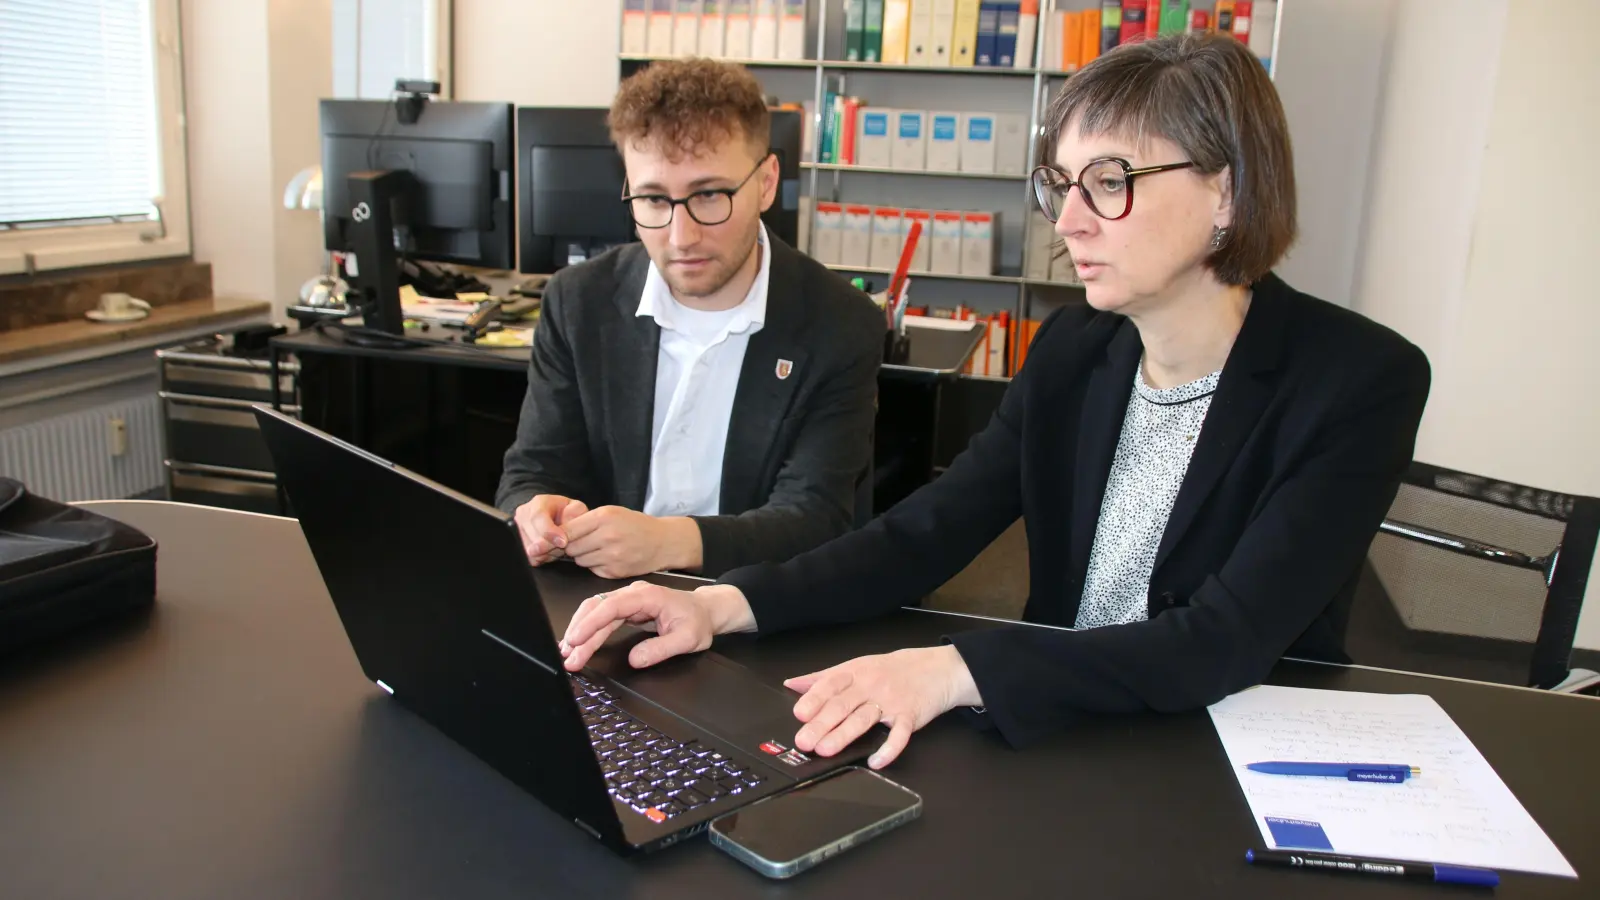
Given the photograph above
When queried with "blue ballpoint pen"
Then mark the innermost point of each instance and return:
(1383, 773)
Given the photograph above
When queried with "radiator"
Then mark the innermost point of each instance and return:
(71, 457)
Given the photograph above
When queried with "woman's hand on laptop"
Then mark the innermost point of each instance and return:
(540, 521)
(904, 690)
(685, 621)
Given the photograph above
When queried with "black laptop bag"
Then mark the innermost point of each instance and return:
(62, 568)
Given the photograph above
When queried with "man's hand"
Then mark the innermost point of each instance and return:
(615, 542)
(685, 621)
(542, 523)
(905, 690)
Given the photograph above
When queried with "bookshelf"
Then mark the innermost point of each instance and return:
(963, 89)
(639, 59)
(960, 89)
(1017, 91)
(937, 276)
(846, 65)
(879, 170)
(974, 279)
(900, 69)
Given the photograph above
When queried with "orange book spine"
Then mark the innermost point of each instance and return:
(1222, 17)
(1071, 42)
(1028, 328)
(1089, 49)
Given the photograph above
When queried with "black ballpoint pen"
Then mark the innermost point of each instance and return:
(1356, 865)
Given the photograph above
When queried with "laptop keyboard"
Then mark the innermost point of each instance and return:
(654, 774)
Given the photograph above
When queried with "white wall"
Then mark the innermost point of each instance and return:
(1478, 242)
(537, 52)
(300, 62)
(1518, 396)
(253, 72)
(230, 166)
(1425, 174)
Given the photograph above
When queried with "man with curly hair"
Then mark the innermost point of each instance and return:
(704, 399)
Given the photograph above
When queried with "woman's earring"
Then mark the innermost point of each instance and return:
(1218, 235)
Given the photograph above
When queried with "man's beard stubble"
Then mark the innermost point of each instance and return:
(725, 271)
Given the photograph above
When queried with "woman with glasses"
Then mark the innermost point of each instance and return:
(1200, 454)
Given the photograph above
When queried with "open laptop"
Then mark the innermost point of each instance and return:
(440, 605)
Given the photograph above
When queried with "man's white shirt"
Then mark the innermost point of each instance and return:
(697, 375)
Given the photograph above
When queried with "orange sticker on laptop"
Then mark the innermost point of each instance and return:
(772, 748)
(655, 815)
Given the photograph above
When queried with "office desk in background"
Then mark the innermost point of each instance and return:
(450, 411)
(227, 745)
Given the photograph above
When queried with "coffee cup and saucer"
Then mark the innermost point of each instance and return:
(119, 308)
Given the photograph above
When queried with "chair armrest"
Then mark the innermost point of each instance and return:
(1466, 546)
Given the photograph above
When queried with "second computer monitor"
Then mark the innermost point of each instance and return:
(458, 156)
(571, 180)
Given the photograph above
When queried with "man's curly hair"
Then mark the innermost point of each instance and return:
(681, 106)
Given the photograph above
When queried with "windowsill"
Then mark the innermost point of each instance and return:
(69, 338)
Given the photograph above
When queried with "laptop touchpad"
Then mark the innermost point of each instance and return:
(715, 693)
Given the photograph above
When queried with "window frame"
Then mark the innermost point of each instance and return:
(75, 246)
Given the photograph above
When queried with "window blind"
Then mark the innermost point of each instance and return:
(78, 119)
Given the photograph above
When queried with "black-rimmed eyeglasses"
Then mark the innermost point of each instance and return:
(711, 206)
(1106, 185)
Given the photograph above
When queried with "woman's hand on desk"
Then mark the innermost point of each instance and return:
(904, 690)
(685, 621)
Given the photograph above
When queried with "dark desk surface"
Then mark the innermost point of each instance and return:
(933, 353)
(446, 352)
(228, 746)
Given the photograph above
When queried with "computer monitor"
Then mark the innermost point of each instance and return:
(570, 185)
(783, 219)
(437, 187)
(571, 180)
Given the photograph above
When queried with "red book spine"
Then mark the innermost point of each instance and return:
(1133, 21)
(1243, 12)
(847, 140)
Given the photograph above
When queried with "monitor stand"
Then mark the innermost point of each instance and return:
(374, 197)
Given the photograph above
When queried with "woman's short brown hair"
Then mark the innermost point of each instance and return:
(1211, 97)
(682, 105)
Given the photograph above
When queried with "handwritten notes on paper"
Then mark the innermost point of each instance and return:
(1457, 811)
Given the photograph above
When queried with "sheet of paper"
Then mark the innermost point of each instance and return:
(1457, 811)
(508, 337)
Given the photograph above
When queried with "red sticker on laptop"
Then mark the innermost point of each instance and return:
(772, 748)
(655, 815)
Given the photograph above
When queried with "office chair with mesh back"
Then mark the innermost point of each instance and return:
(1479, 609)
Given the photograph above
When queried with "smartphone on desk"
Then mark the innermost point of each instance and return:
(786, 834)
